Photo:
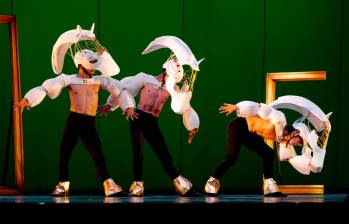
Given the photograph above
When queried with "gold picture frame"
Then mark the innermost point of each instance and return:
(16, 114)
(271, 80)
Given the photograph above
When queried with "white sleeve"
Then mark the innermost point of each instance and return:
(114, 87)
(51, 87)
(191, 119)
(247, 108)
(35, 96)
(124, 101)
(130, 87)
(54, 86)
(133, 84)
(113, 101)
(180, 99)
(276, 117)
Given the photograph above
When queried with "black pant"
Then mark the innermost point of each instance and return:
(238, 134)
(146, 126)
(83, 126)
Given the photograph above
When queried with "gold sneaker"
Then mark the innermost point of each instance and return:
(212, 186)
(182, 185)
(61, 190)
(137, 188)
(271, 189)
(110, 187)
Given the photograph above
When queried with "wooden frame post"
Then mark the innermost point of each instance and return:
(272, 79)
(16, 114)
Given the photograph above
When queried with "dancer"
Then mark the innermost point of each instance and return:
(256, 122)
(154, 92)
(83, 87)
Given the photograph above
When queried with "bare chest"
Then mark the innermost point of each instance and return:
(151, 93)
(89, 90)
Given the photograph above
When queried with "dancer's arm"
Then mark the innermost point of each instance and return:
(51, 87)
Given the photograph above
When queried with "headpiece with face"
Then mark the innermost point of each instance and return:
(85, 50)
(180, 55)
(173, 68)
(302, 131)
(314, 145)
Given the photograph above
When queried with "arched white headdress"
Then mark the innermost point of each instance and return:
(314, 146)
(181, 55)
(85, 49)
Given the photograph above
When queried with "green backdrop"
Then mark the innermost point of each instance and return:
(241, 40)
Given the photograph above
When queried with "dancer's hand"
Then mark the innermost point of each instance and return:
(227, 109)
(21, 105)
(185, 86)
(130, 113)
(104, 109)
(192, 133)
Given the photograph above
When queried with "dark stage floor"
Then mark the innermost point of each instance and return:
(170, 199)
(151, 206)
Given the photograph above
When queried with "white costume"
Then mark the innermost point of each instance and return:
(313, 155)
(86, 51)
(146, 125)
(133, 84)
(100, 60)
(53, 87)
(239, 134)
(249, 108)
(180, 102)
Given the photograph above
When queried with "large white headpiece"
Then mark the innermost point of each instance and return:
(181, 55)
(314, 146)
(85, 50)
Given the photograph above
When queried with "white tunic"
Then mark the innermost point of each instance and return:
(53, 87)
(133, 85)
(277, 118)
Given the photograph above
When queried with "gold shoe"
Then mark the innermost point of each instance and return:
(182, 185)
(61, 190)
(137, 188)
(212, 186)
(270, 186)
(110, 187)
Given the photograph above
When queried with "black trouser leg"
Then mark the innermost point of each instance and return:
(68, 142)
(157, 142)
(137, 139)
(92, 143)
(257, 144)
(236, 131)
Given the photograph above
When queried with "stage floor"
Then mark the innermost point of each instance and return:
(207, 208)
(170, 199)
